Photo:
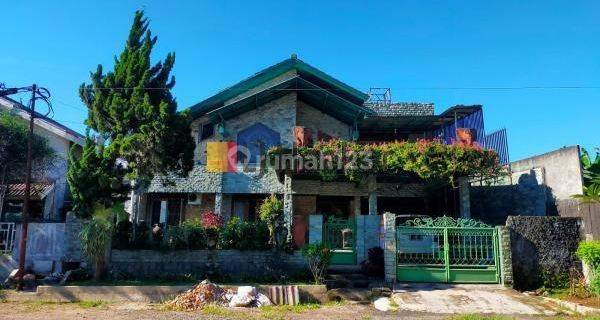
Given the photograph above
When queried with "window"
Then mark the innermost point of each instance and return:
(206, 131)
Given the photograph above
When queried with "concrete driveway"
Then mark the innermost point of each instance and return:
(476, 298)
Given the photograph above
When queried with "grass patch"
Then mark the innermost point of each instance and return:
(475, 316)
(91, 304)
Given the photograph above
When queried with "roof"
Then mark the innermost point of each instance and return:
(302, 69)
(38, 191)
(393, 119)
(44, 122)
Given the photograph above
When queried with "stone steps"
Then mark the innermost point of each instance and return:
(346, 277)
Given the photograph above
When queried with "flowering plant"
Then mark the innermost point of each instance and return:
(211, 220)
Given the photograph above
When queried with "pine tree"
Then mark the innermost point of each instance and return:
(133, 109)
(93, 179)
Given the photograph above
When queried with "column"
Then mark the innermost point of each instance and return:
(361, 249)
(356, 202)
(389, 249)
(505, 258)
(372, 185)
(315, 228)
(219, 203)
(465, 197)
(288, 207)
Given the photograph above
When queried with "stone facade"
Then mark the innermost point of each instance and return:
(542, 246)
(403, 109)
(389, 246)
(318, 121)
(231, 263)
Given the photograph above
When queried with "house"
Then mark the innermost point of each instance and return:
(50, 193)
(293, 102)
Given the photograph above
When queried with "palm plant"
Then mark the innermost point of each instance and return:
(95, 239)
(591, 177)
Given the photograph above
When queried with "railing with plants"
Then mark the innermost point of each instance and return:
(426, 159)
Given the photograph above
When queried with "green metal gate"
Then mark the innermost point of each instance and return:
(339, 235)
(447, 250)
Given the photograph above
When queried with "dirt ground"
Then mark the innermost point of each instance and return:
(113, 311)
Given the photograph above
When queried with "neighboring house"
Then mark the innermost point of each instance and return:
(50, 192)
(266, 110)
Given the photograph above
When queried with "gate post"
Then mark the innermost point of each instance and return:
(315, 228)
(389, 249)
(505, 256)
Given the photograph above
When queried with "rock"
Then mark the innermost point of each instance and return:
(246, 291)
(29, 280)
(240, 301)
(381, 291)
(262, 300)
(382, 304)
(66, 277)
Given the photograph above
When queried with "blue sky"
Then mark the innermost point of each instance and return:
(425, 51)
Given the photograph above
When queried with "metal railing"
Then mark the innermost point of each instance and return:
(7, 237)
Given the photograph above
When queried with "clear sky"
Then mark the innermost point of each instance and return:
(446, 52)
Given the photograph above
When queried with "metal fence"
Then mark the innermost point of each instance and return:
(7, 237)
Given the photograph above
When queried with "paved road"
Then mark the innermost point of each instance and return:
(488, 299)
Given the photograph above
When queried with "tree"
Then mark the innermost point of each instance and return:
(93, 179)
(13, 151)
(133, 109)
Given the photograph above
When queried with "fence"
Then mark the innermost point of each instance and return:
(7, 237)
(588, 212)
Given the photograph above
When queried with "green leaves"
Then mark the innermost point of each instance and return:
(318, 258)
(133, 108)
(13, 148)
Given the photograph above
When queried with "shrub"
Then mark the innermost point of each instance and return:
(589, 252)
(122, 235)
(271, 212)
(318, 258)
(242, 235)
(194, 235)
(95, 239)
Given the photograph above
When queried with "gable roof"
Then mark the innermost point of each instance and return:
(303, 71)
(42, 121)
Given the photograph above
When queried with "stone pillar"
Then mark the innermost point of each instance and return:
(288, 206)
(465, 198)
(219, 203)
(389, 250)
(315, 228)
(505, 251)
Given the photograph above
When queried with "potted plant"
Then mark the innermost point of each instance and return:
(211, 222)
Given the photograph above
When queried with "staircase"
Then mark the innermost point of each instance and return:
(339, 276)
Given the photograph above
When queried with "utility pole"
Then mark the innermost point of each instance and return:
(25, 215)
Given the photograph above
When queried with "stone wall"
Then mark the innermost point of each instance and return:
(542, 245)
(233, 263)
(316, 120)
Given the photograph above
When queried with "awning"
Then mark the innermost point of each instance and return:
(39, 191)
